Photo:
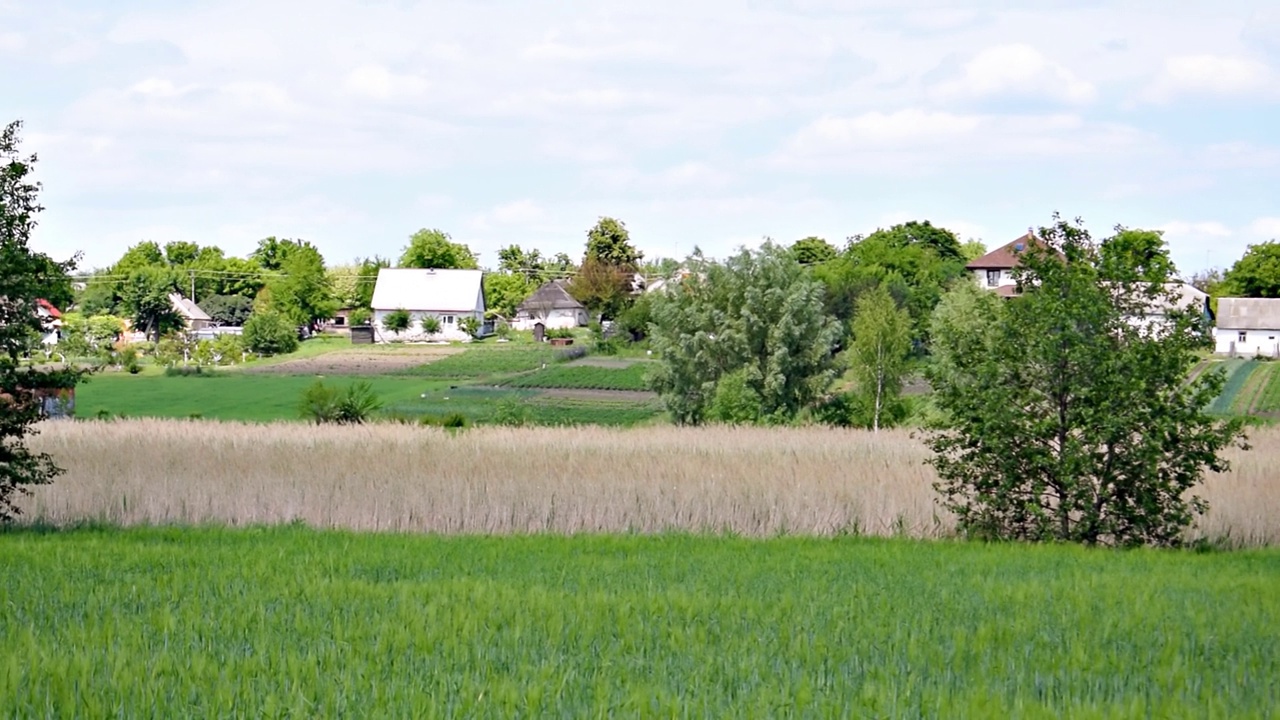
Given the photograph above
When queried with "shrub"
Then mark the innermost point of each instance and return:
(455, 420)
(189, 371)
(558, 333)
(397, 321)
(324, 404)
(511, 413)
(734, 402)
(361, 316)
(430, 324)
(470, 325)
(268, 332)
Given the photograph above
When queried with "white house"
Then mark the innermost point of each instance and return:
(50, 321)
(192, 316)
(1178, 295)
(552, 306)
(994, 271)
(447, 295)
(1248, 327)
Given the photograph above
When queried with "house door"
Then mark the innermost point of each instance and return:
(539, 332)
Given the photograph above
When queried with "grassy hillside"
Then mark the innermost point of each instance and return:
(291, 622)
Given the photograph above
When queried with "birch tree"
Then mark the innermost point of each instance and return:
(881, 341)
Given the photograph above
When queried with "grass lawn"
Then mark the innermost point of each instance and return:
(586, 377)
(484, 405)
(227, 396)
(294, 622)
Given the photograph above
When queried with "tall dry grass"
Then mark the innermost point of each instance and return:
(495, 480)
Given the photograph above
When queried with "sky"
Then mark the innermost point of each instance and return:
(717, 123)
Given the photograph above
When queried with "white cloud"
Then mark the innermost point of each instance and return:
(916, 140)
(1207, 229)
(518, 212)
(910, 126)
(12, 42)
(1266, 227)
(1017, 69)
(1208, 75)
(377, 82)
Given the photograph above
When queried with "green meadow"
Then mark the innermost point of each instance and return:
(291, 622)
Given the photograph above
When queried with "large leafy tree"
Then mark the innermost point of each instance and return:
(434, 249)
(1064, 420)
(145, 300)
(758, 312)
(603, 288)
(917, 261)
(25, 278)
(300, 290)
(881, 342)
(1133, 255)
(504, 291)
(609, 243)
(813, 251)
(1256, 274)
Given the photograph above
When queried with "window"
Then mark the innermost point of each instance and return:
(447, 319)
(1244, 336)
(339, 321)
(993, 278)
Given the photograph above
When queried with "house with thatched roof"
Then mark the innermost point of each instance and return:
(551, 306)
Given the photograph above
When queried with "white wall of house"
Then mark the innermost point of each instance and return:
(1247, 343)
(993, 278)
(450, 328)
(562, 318)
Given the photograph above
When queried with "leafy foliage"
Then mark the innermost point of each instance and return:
(301, 291)
(605, 289)
(146, 301)
(1070, 422)
(322, 403)
(25, 278)
(434, 249)
(1257, 274)
(469, 325)
(430, 324)
(813, 251)
(397, 321)
(228, 310)
(758, 312)
(269, 332)
(609, 243)
(881, 341)
(504, 291)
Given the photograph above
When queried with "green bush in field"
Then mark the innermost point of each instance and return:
(469, 325)
(322, 403)
(268, 332)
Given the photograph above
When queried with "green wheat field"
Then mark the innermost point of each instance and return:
(293, 622)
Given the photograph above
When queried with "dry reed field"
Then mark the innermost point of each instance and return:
(749, 481)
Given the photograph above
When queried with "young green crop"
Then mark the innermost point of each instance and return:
(586, 377)
(483, 361)
(292, 622)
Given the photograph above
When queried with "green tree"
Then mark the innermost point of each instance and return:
(434, 249)
(1256, 274)
(609, 243)
(813, 251)
(228, 310)
(604, 289)
(1072, 424)
(270, 332)
(962, 328)
(469, 325)
(734, 401)
(1135, 255)
(397, 321)
(758, 312)
(301, 290)
(25, 278)
(528, 264)
(181, 253)
(146, 302)
(881, 342)
(503, 292)
(972, 250)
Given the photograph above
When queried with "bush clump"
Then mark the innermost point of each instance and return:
(323, 403)
(268, 332)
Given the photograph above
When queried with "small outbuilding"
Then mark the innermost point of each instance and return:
(1248, 327)
(550, 306)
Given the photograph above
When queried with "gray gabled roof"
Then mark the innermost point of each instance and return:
(551, 296)
(1249, 313)
(187, 308)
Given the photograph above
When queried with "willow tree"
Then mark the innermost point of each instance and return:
(756, 319)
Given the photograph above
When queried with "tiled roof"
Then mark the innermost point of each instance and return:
(1004, 257)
